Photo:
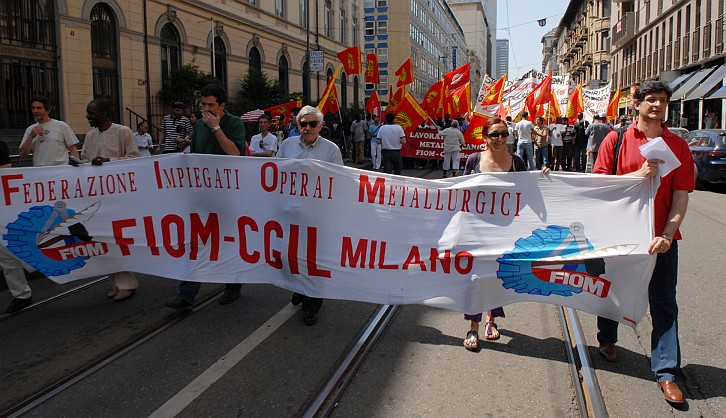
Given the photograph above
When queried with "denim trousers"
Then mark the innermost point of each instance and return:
(542, 156)
(526, 152)
(665, 349)
(579, 158)
(188, 290)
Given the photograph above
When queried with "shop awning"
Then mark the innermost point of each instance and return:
(680, 79)
(689, 85)
(719, 94)
(716, 77)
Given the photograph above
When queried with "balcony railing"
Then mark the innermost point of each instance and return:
(696, 44)
(624, 30)
(718, 29)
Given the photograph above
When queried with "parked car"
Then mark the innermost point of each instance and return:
(679, 131)
(708, 147)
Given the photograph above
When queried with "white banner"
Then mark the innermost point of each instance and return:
(467, 244)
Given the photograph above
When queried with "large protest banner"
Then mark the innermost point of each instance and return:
(468, 243)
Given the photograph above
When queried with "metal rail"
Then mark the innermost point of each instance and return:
(58, 296)
(92, 367)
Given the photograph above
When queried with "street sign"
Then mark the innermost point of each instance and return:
(317, 61)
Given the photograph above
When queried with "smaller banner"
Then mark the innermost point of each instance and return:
(424, 142)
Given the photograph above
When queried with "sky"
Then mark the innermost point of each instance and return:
(517, 21)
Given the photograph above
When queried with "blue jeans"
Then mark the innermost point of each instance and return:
(526, 152)
(188, 290)
(665, 349)
(580, 158)
(543, 156)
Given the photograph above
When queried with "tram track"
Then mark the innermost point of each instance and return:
(81, 373)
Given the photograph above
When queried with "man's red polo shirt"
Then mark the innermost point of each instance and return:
(630, 159)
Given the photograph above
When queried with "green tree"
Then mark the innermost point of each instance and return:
(258, 91)
(185, 84)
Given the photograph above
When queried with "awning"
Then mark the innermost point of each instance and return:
(690, 84)
(719, 94)
(680, 79)
(704, 87)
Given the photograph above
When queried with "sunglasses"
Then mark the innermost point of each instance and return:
(312, 124)
(495, 135)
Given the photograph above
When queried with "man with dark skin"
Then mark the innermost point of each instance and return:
(110, 141)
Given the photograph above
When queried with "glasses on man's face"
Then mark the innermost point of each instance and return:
(495, 135)
(313, 124)
(654, 100)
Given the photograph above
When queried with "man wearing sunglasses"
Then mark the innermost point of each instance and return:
(264, 144)
(310, 145)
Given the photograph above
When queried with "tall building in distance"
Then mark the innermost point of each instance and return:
(478, 19)
(502, 66)
(434, 41)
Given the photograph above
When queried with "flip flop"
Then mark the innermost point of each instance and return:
(491, 332)
(472, 340)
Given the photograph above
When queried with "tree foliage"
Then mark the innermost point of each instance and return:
(185, 84)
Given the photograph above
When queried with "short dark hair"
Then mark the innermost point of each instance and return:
(215, 90)
(47, 105)
(138, 125)
(651, 86)
(178, 105)
(525, 114)
(265, 116)
(102, 105)
(197, 114)
(390, 117)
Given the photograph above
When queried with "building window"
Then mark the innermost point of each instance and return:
(382, 55)
(343, 39)
(369, 3)
(343, 90)
(382, 29)
(328, 16)
(255, 59)
(384, 82)
(370, 28)
(356, 87)
(280, 8)
(170, 45)
(104, 59)
(382, 3)
(354, 27)
(220, 60)
(304, 13)
(283, 71)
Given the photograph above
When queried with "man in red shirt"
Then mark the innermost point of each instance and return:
(651, 101)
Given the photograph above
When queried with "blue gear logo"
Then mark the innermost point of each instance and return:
(524, 269)
(53, 239)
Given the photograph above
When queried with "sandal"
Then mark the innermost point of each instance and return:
(472, 340)
(491, 332)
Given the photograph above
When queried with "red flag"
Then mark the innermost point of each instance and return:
(553, 108)
(329, 101)
(351, 60)
(283, 109)
(474, 132)
(409, 114)
(432, 102)
(495, 92)
(458, 77)
(459, 102)
(575, 105)
(374, 106)
(502, 111)
(540, 96)
(405, 73)
(372, 75)
(394, 101)
(612, 113)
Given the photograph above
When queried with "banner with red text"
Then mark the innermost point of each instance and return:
(425, 142)
(467, 243)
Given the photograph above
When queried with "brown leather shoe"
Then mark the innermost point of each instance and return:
(671, 392)
(608, 351)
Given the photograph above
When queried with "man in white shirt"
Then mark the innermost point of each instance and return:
(49, 140)
(525, 148)
(264, 144)
(391, 137)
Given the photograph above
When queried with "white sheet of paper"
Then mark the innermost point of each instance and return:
(657, 149)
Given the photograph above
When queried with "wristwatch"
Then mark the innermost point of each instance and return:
(215, 129)
(669, 237)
